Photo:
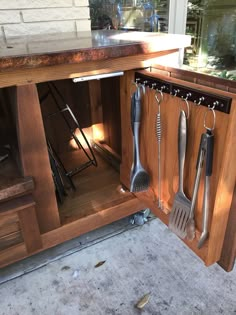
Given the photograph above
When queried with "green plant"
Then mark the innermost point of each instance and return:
(225, 75)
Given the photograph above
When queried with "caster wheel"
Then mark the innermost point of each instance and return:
(140, 217)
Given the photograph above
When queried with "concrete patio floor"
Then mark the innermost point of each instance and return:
(142, 260)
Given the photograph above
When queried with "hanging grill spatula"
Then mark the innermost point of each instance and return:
(140, 179)
(181, 206)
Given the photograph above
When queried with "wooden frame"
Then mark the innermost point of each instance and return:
(34, 158)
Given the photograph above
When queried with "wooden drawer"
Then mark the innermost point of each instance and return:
(18, 223)
(10, 231)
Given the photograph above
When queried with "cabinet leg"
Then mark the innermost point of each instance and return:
(30, 229)
(34, 156)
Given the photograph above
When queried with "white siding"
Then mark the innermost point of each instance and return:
(32, 17)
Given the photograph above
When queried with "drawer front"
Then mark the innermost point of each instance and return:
(10, 231)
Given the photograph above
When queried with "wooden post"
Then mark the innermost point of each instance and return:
(30, 229)
(34, 156)
(228, 253)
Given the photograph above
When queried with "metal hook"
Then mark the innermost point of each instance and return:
(176, 91)
(143, 87)
(159, 100)
(138, 93)
(200, 100)
(131, 87)
(210, 109)
(187, 96)
(137, 85)
(216, 103)
(187, 103)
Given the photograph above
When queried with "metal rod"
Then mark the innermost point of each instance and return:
(98, 76)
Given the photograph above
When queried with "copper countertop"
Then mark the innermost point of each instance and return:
(68, 48)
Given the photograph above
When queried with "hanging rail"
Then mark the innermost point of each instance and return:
(220, 103)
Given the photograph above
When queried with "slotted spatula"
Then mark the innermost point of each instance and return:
(181, 207)
(140, 179)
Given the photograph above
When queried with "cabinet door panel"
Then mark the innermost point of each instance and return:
(224, 169)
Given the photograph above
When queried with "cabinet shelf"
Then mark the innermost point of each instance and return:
(12, 184)
(97, 188)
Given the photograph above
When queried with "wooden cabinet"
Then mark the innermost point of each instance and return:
(35, 220)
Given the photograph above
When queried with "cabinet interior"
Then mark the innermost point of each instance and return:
(96, 105)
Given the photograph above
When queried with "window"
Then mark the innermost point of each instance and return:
(139, 15)
(212, 25)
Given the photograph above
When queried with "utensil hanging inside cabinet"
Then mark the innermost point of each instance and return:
(182, 205)
(205, 156)
(200, 98)
(208, 172)
(206, 198)
(139, 178)
(159, 99)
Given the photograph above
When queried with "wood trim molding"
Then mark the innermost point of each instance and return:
(44, 74)
(73, 229)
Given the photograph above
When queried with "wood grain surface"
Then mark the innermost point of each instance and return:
(34, 156)
(224, 169)
(110, 97)
(91, 195)
(69, 71)
(95, 203)
(228, 254)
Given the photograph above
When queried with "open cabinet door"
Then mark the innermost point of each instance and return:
(222, 180)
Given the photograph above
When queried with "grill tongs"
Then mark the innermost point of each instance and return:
(205, 155)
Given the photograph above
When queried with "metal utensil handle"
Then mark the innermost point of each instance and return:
(182, 143)
(158, 127)
(209, 155)
(206, 205)
(199, 166)
(196, 183)
(158, 134)
(135, 130)
(137, 108)
(136, 125)
(132, 109)
(205, 213)
(206, 197)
